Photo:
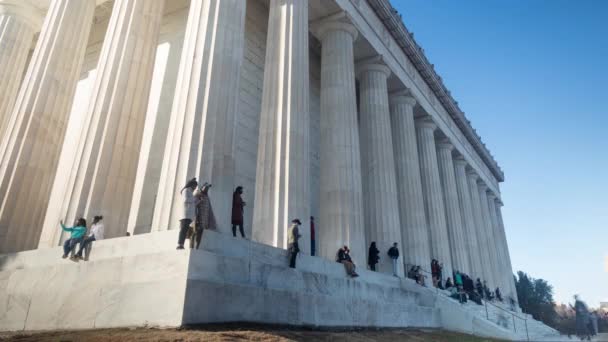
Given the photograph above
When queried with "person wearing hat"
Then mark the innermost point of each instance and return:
(293, 235)
(205, 219)
(237, 211)
(189, 211)
(96, 233)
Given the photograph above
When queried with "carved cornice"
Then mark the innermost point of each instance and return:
(392, 20)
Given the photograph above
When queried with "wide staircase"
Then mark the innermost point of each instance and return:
(142, 280)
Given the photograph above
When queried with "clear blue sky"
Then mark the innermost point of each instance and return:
(532, 77)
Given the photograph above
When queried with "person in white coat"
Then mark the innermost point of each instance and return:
(189, 211)
(96, 233)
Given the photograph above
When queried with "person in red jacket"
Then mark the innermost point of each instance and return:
(237, 211)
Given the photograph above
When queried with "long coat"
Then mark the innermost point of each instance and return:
(237, 209)
(205, 219)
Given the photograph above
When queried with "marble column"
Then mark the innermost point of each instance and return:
(433, 196)
(29, 151)
(482, 243)
(460, 261)
(487, 235)
(468, 218)
(510, 283)
(282, 177)
(415, 236)
(18, 23)
(340, 195)
(496, 241)
(200, 142)
(381, 206)
(108, 152)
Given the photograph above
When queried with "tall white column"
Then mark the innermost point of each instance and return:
(433, 197)
(282, 180)
(468, 218)
(381, 207)
(496, 242)
(509, 269)
(482, 243)
(107, 156)
(460, 261)
(415, 236)
(341, 199)
(200, 142)
(29, 151)
(18, 23)
(487, 234)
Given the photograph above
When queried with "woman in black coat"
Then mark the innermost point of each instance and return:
(373, 256)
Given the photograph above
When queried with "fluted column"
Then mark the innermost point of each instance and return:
(381, 207)
(468, 218)
(415, 236)
(108, 152)
(487, 235)
(497, 243)
(340, 194)
(200, 142)
(18, 23)
(509, 269)
(460, 261)
(482, 243)
(433, 197)
(29, 151)
(282, 181)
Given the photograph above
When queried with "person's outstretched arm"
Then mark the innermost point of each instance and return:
(66, 228)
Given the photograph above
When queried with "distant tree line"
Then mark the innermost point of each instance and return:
(536, 298)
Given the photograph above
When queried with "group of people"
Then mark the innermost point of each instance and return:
(373, 257)
(586, 321)
(197, 208)
(79, 236)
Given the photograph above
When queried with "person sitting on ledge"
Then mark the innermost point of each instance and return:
(420, 276)
(76, 234)
(498, 295)
(448, 284)
(344, 258)
(95, 234)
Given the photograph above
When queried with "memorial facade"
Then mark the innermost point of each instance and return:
(324, 109)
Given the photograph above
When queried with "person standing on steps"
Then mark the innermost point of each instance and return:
(205, 219)
(312, 236)
(189, 213)
(393, 253)
(238, 208)
(293, 235)
(76, 234)
(373, 256)
(95, 234)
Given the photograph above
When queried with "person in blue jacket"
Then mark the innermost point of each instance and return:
(76, 234)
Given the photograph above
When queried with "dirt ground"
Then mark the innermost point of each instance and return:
(214, 333)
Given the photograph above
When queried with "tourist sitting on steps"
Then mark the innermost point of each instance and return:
(76, 234)
(95, 234)
(344, 258)
(373, 256)
(293, 235)
(189, 213)
(448, 284)
(393, 253)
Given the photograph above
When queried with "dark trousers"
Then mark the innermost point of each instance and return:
(195, 239)
(184, 225)
(293, 253)
(70, 245)
(240, 229)
(85, 244)
(372, 267)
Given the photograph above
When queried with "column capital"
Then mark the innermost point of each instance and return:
(445, 144)
(472, 174)
(426, 122)
(498, 202)
(491, 196)
(323, 27)
(373, 64)
(24, 10)
(482, 186)
(403, 96)
(460, 161)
